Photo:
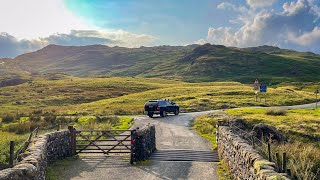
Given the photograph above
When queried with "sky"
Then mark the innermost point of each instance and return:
(29, 25)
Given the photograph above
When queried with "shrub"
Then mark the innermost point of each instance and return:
(19, 128)
(50, 118)
(35, 118)
(276, 112)
(37, 111)
(63, 120)
(7, 118)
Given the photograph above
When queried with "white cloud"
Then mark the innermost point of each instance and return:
(37, 18)
(296, 26)
(232, 7)
(293, 7)
(307, 38)
(11, 46)
(226, 6)
(260, 3)
(221, 36)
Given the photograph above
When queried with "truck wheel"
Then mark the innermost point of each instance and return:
(176, 112)
(150, 114)
(163, 113)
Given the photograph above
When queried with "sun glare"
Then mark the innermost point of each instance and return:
(37, 18)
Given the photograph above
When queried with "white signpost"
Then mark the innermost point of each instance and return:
(317, 92)
(256, 86)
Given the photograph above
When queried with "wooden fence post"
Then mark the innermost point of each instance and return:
(269, 152)
(289, 172)
(278, 162)
(284, 162)
(73, 140)
(133, 132)
(58, 128)
(11, 158)
(252, 141)
(217, 133)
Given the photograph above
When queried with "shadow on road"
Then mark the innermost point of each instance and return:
(118, 167)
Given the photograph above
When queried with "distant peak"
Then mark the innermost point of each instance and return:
(51, 46)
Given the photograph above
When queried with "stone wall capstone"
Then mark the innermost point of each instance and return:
(244, 162)
(43, 150)
(145, 143)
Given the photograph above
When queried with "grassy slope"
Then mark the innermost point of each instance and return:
(71, 95)
(196, 97)
(188, 63)
(67, 91)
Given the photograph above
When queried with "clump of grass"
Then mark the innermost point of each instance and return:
(53, 169)
(5, 138)
(206, 126)
(276, 112)
(303, 160)
(223, 171)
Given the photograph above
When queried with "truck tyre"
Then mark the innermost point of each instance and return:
(176, 112)
(163, 113)
(150, 114)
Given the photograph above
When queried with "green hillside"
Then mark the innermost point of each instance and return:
(193, 63)
(67, 95)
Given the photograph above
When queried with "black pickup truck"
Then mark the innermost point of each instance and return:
(161, 107)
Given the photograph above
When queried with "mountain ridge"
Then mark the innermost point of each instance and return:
(192, 63)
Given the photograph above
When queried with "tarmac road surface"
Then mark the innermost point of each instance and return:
(175, 141)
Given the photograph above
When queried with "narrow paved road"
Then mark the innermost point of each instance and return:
(172, 132)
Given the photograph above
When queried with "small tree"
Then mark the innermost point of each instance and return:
(50, 118)
(35, 118)
(8, 118)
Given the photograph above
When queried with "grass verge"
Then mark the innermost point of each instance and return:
(302, 126)
(56, 167)
(223, 171)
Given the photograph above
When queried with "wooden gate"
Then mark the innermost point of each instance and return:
(102, 141)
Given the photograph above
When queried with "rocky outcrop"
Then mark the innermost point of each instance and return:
(33, 163)
(244, 162)
(268, 131)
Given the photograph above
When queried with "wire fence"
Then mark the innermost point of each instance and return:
(24, 145)
(265, 147)
(14, 154)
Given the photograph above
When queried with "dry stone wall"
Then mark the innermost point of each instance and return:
(244, 162)
(33, 163)
(145, 143)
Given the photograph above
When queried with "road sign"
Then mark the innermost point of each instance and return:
(263, 88)
(256, 85)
